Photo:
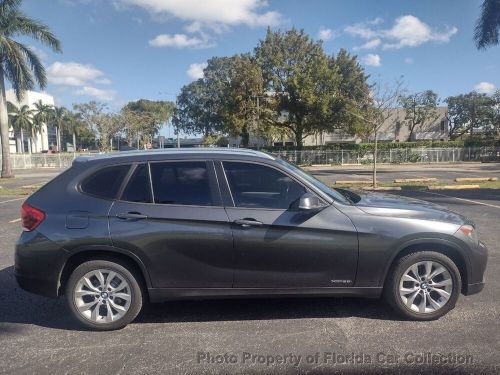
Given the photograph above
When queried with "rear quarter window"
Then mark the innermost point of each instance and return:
(106, 182)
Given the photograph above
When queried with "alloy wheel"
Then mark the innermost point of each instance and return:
(426, 287)
(102, 296)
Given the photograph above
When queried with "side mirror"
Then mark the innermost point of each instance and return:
(309, 201)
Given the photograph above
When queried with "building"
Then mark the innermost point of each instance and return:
(43, 139)
(394, 129)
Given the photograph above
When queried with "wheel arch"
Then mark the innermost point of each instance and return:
(448, 248)
(82, 255)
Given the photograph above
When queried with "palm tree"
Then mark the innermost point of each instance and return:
(19, 64)
(21, 119)
(43, 114)
(74, 125)
(59, 117)
(487, 29)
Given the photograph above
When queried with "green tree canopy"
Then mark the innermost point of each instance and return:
(300, 81)
(467, 112)
(420, 108)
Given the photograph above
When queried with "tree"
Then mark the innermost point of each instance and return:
(21, 120)
(376, 111)
(487, 28)
(420, 108)
(353, 93)
(101, 122)
(196, 110)
(42, 115)
(59, 118)
(229, 99)
(19, 64)
(301, 84)
(143, 119)
(467, 112)
(75, 126)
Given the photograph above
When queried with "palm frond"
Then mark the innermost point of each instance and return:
(16, 69)
(487, 28)
(6, 5)
(26, 26)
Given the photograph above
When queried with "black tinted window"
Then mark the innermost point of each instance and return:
(181, 183)
(138, 188)
(105, 182)
(254, 185)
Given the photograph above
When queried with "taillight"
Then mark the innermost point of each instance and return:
(31, 217)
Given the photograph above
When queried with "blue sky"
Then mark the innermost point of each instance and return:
(121, 50)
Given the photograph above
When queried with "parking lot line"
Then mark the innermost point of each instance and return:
(465, 200)
(15, 220)
(13, 200)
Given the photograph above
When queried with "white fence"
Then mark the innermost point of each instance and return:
(394, 156)
(31, 161)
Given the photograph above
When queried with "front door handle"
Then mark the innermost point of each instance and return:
(247, 223)
(131, 216)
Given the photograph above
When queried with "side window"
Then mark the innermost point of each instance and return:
(185, 183)
(258, 186)
(105, 182)
(138, 188)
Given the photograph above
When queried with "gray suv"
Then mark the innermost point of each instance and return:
(117, 230)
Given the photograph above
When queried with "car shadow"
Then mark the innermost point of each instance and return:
(22, 308)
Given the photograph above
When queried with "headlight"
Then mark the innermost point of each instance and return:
(469, 231)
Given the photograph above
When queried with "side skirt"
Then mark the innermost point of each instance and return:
(164, 294)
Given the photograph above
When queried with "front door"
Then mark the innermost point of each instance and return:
(276, 244)
(170, 215)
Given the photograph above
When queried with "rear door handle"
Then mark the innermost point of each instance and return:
(131, 216)
(247, 223)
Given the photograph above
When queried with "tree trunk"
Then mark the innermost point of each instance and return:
(58, 132)
(74, 142)
(375, 153)
(4, 131)
(34, 147)
(298, 139)
(22, 141)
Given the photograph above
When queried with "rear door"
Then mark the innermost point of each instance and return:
(277, 245)
(170, 214)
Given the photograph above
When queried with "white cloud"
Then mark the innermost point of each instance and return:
(485, 87)
(326, 34)
(408, 60)
(407, 31)
(195, 71)
(360, 30)
(94, 92)
(371, 44)
(74, 74)
(372, 60)
(179, 41)
(228, 12)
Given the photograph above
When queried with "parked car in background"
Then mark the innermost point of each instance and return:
(117, 230)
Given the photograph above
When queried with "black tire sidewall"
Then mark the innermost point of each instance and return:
(136, 300)
(392, 289)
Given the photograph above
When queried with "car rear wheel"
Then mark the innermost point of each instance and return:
(104, 295)
(423, 285)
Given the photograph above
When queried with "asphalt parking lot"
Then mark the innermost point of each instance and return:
(37, 335)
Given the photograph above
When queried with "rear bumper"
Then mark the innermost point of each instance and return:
(473, 288)
(38, 264)
(47, 288)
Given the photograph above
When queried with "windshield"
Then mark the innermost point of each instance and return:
(335, 195)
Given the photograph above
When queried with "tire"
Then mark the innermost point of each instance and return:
(118, 301)
(429, 298)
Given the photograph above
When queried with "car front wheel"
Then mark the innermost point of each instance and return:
(104, 295)
(423, 285)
